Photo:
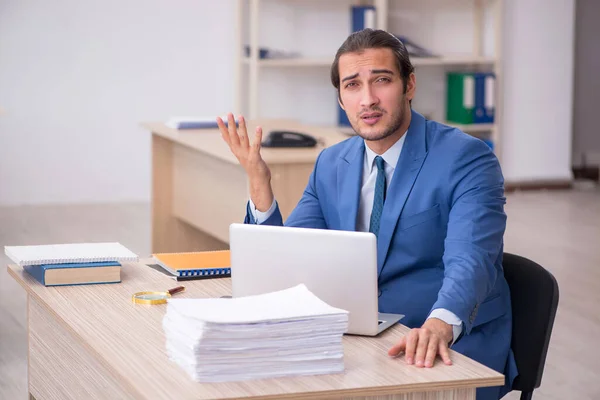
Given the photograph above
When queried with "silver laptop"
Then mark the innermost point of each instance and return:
(339, 267)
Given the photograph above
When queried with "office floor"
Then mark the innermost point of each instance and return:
(560, 230)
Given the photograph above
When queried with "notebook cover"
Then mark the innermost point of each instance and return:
(195, 263)
(191, 277)
(69, 253)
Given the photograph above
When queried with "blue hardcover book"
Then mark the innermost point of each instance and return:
(181, 123)
(415, 50)
(265, 53)
(75, 273)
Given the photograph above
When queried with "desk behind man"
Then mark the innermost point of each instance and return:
(197, 184)
(433, 195)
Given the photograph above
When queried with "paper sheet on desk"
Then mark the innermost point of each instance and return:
(293, 303)
(218, 340)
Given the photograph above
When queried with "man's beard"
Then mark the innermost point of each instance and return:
(395, 124)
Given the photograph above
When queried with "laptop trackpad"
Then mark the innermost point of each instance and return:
(387, 320)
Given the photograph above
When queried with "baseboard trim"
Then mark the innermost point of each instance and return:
(559, 184)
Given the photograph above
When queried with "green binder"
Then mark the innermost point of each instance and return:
(460, 102)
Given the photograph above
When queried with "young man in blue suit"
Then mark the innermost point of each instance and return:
(433, 195)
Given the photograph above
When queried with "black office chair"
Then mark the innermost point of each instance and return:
(534, 298)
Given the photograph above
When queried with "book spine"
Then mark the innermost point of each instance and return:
(37, 272)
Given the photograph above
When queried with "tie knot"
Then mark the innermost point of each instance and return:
(379, 161)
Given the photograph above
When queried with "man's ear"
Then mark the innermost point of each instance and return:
(411, 86)
(340, 102)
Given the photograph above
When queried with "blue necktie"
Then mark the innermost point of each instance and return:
(378, 198)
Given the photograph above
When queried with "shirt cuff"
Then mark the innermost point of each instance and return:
(259, 216)
(451, 319)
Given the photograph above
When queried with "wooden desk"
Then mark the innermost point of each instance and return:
(199, 188)
(91, 341)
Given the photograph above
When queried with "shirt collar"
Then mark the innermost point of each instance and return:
(390, 156)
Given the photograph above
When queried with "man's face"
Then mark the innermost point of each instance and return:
(372, 93)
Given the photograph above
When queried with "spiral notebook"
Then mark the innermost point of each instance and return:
(69, 253)
(208, 264)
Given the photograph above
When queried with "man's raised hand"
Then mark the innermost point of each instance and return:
(248, 154)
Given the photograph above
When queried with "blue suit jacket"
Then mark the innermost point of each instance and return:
(440, 242)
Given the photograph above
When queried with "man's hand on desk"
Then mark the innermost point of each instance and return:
(421, 345)
(248, 154)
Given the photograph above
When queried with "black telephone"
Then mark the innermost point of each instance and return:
(289, 139)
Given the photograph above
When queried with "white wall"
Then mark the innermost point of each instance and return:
(77, 78)
(538, 84)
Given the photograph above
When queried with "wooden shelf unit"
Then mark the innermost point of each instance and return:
(247, 90)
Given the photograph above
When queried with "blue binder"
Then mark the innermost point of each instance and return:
(342, 117)
(485, 108)
(489, 142)
(363, 17)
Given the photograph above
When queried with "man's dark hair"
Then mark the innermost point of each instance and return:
(373, 39)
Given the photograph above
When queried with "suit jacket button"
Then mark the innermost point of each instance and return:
(379, 293)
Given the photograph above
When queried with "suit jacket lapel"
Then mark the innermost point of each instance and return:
(349, 178)
(409, 164)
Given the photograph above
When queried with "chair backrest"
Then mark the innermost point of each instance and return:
(534, 298)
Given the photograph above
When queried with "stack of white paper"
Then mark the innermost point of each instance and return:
(289, 332)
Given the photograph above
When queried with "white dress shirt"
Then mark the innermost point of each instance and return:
(367, 192)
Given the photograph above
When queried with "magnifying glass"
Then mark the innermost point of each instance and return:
(155, 297)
